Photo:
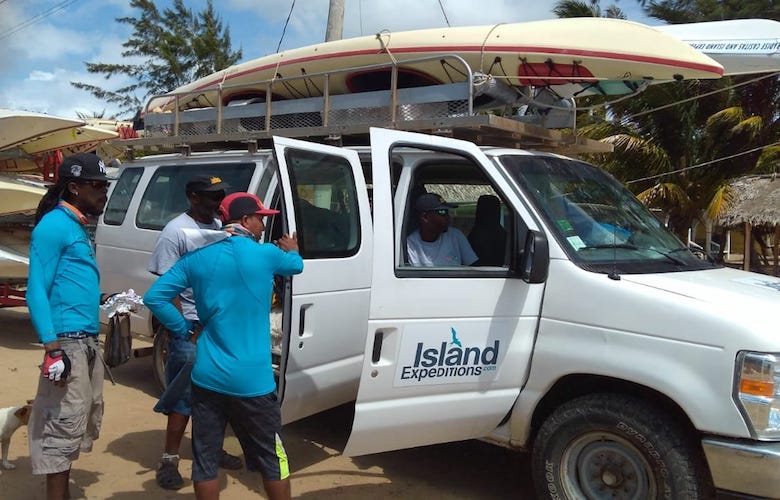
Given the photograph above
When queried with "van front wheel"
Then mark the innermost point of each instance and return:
(617, 447)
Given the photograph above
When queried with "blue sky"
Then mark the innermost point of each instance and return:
(38, 62)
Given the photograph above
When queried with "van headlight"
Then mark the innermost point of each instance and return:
(758, 392)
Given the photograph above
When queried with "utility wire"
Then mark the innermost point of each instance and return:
(36, 19)
(730, 87)
(445, 14)
(704, 164)
(285, 25)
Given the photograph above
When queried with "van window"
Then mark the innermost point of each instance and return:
(474, 237)
(165, 196)
(117, 205)
(598, 222)
(326, 209)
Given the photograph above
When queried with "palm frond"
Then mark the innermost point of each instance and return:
(751, 127)
(666, 195)
(720, 202)
(726, 117)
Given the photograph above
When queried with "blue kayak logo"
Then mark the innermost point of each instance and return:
(451, 359)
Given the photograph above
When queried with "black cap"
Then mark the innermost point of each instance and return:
(203, 183)
(431, 201)
(83, 166)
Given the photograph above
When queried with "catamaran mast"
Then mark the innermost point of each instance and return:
(335, 29)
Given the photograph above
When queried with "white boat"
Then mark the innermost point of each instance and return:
(19, 196)
(742, 46)
(14, 252)
(17, 127)
(72, 140)
(590, 55)
(13, 265)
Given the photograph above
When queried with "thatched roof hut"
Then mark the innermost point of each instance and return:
(756, 202)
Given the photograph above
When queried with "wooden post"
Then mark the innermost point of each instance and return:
(748, 246)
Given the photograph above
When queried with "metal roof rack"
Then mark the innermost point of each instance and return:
(460, 109)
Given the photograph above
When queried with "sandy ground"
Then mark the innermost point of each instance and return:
(121, 465)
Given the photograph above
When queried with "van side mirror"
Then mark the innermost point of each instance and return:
(535, 261)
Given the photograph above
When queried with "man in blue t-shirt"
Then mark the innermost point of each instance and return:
(63, 297)
(232, 378)
(204, 194)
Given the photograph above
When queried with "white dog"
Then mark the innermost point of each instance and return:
(10, 420)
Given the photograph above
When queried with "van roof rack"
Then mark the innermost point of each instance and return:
(458, 109)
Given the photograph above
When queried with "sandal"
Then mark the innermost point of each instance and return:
(231, 462)
(168, 476)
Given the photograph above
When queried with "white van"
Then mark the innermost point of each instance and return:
(628, 367)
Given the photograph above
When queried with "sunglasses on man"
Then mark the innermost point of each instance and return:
(95, 184)
(441, 211)
(212, 195)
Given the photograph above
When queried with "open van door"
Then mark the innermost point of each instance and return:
(447, 349)
(326, 203)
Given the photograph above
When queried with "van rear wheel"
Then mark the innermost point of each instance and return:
(160, 356)
(618, 447)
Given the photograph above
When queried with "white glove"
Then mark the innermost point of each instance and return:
(56, 365)
(56, 370)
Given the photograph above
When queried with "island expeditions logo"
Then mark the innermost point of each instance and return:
(450, 360)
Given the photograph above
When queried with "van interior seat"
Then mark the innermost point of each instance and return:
(488, 236)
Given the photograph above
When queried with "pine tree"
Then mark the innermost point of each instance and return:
(168, 49)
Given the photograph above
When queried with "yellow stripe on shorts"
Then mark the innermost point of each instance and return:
(284, 466)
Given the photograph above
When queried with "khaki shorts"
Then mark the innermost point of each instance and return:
(65, 420)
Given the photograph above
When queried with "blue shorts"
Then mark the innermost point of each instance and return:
(178, 377)
(257, 423)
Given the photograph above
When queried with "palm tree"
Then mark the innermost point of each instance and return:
(655, 145)
(592, 8)
(95, 114)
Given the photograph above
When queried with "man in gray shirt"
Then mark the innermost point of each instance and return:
(434, 242)
(204, 194)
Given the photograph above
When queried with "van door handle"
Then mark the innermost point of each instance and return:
(302, 321)
(376, 350)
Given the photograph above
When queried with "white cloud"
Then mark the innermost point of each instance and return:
(41, 76)
(38, 63)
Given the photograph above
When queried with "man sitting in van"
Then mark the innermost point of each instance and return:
(434, 242)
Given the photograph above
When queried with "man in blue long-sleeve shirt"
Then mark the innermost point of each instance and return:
(232, 377)
(63, 297)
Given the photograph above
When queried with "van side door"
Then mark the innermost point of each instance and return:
(448, 346)
(325, 201)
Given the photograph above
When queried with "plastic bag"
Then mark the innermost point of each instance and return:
(118, 347)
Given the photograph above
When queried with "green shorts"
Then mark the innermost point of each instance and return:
(65, 420)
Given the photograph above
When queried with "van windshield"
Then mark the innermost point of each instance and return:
(600, 224)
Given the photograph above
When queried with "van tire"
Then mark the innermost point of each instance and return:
(616, 446)
(160, 356)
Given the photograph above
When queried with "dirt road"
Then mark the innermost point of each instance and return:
(121, 465)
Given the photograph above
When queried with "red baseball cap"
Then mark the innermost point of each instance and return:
(237, 205)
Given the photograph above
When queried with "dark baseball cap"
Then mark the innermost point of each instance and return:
(237, 205)
(206, 183)
(431, 201)
(86, 166)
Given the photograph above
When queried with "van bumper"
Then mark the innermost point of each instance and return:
(747, 467)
